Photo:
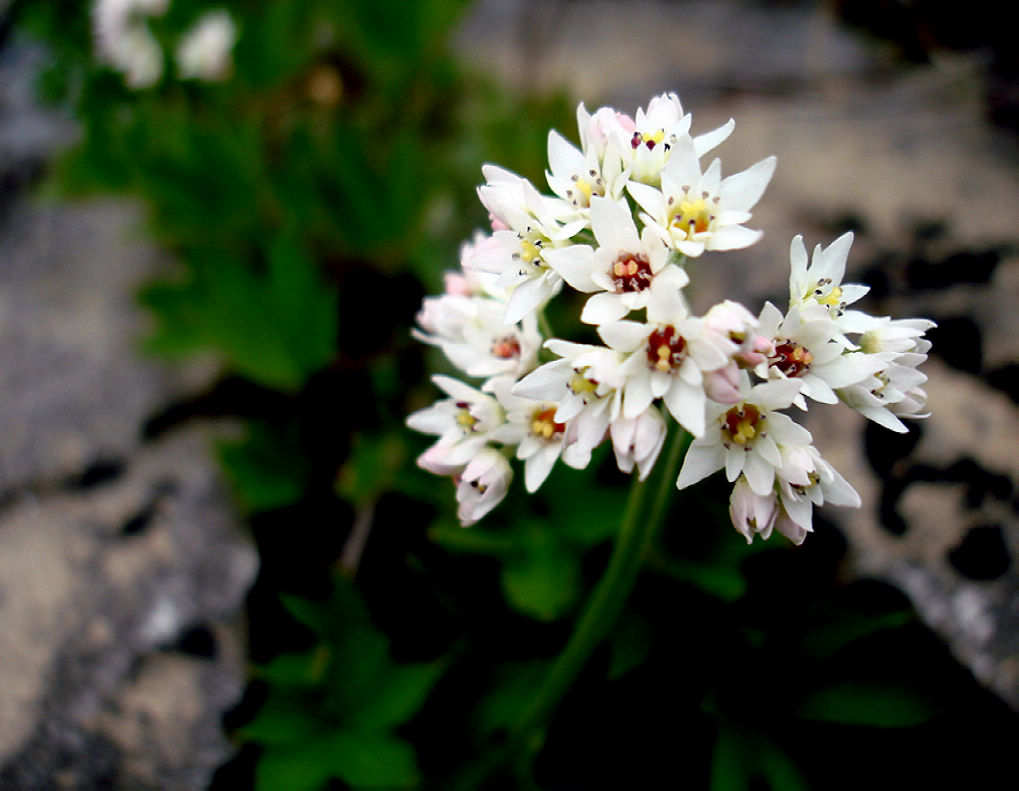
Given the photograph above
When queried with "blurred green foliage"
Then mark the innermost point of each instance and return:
(308, 201)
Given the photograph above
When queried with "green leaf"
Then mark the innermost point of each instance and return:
(405, 689)
(478, 539)
(630, 646)
(374, 760)
(729, 761)
(360, 760)
(543, 579)
(372, 468)
(823, 642)
(880, 705)
(267, 468)
(275, 328)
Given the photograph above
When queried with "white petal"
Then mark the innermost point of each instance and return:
(732, 237)
(759, 474)
(742, 190)
(574, 264)
(603, 308)
(704, 143)
(702, 459)
(686, 403)
(624, 336)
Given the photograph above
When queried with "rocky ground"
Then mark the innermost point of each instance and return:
(122, 568)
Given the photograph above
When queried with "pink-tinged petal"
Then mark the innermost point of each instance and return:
(759, 474)
(742, 190)
(732, 237)
(798, 520)
(686, 404)
(574, 264)
(603, 308)
(702, 459)
(709, 140)
(624, 336)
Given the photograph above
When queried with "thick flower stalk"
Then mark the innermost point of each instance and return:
(632, 206)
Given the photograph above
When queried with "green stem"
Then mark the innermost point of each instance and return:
(606, 602)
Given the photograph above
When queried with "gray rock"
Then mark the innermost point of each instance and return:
(123, 568)
(94, 586)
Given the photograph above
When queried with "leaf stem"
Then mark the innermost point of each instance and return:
(640, 523)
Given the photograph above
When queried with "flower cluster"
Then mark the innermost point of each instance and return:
(630, 207)
(125, 43)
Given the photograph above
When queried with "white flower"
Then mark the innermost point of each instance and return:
(809, 347)
(540, 438)
(577, 176)
(806, 480)
(624, 266)
(124, 41)
(464, 423)
(746, 438)
(472, 334)
(638, 440)
(667, 357)
(535, 224)
(204, 52)
(821, 282)
(752, 513)
(482, 485)
(585, 383)
(897, 348)
(694, 212)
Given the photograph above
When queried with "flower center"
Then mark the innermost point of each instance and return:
(825, 294)
(584, 187)
(665, 349)
(581, 385)
(506, 348)
(543, 423)
(791, 359)
(631, 273)
(464, 419)
(532, 244)
(742, 424)
(649, 139)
